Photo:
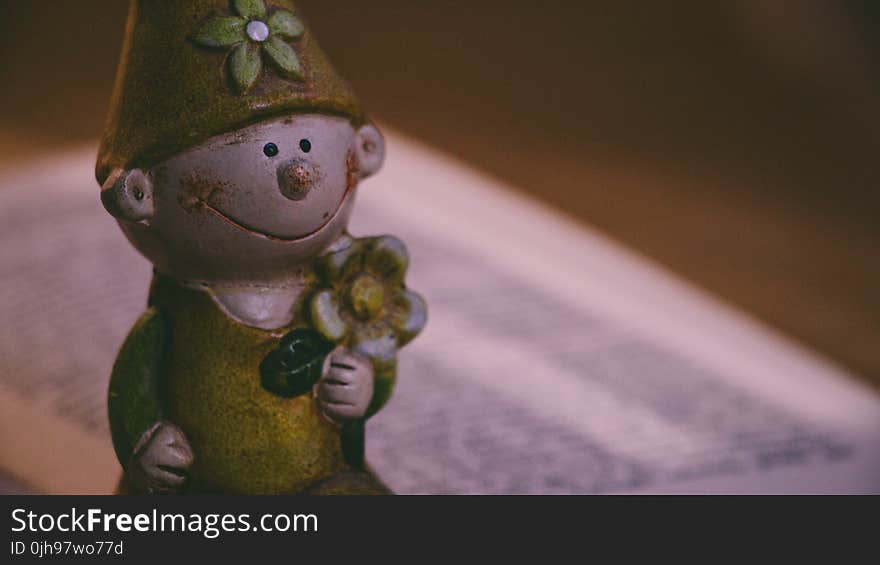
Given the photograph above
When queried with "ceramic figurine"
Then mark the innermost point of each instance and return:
(231, 160)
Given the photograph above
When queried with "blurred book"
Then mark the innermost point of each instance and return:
(554, 361)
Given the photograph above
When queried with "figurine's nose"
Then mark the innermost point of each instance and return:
(296, 179)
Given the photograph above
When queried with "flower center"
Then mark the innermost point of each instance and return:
(257, 31)
(366, 295)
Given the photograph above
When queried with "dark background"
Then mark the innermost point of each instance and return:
(734, 142)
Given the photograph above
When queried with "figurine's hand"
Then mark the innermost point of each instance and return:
(161, 461)
(346, 387)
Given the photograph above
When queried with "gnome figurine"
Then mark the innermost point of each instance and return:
(231, 160)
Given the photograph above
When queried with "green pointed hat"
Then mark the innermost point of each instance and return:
(192, 69)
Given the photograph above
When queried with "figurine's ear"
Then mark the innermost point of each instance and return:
(128, 195)
(370, 149)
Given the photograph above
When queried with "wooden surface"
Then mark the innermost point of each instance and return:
(736, 145)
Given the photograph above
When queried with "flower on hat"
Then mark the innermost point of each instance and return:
(251, 35)
(363, 303)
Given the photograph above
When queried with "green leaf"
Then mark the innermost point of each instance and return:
(221, 31)
(245, 65)
(283, 57)
(326, 318)
(286, 25)
(250, 9)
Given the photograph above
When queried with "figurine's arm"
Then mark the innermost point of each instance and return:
(351, 390)
(134, 401)
(383, 386)
(154, 453)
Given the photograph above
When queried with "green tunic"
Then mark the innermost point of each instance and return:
(187, 362)
(244, 438)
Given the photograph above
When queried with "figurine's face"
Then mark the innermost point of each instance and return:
(249, 205)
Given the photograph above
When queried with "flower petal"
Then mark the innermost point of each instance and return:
(389, 259)
(344, 257)
(221, 31)
(245, 65)
(286, 25)
(409, 314)
(326, 318)
(376, 341)
(284, 57)
(250, 9)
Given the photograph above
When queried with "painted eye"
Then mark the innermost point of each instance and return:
(305, 145)
(270, 149)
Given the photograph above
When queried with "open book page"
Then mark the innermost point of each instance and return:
(553, 361)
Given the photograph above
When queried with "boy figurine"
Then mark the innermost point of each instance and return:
(231, 160)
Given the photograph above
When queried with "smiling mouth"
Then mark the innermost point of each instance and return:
(258, 233)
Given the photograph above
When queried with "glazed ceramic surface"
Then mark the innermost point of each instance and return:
(232, 159)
